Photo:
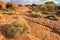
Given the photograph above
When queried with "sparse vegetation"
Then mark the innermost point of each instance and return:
(17, 28)
(42, 18)
(52, 18)
(36, 14)
(34, 8)
(48, 7)
(58, 13)
(9, 12)
(51, 6)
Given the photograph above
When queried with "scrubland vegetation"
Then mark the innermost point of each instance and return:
(17, 28)
(49, 9)
(26, 16)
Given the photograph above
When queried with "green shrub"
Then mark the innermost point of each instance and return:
(48, 7)
(51, 6)
(17, 28)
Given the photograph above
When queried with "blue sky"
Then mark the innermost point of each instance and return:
(6, 0)
(57, 1)
(34, 1)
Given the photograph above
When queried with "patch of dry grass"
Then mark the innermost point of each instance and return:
(17, 28)
(36, 14)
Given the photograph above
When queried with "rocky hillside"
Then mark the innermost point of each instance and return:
(20, 22)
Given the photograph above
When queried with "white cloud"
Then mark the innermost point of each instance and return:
(50, 0)
(31, 1)
(27, 1)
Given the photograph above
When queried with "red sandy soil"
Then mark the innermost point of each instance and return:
(40, 28)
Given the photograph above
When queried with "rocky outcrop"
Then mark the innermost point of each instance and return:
(2, 5)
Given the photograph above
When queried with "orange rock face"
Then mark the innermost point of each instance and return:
(14, 5)
(22, 9)
(3, 4)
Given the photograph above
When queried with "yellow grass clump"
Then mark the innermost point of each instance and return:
(36, 14)
(18, 28)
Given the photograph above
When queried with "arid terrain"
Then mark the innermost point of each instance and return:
(40, 22)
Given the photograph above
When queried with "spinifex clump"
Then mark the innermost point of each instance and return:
(17, 28)
(36, 14)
